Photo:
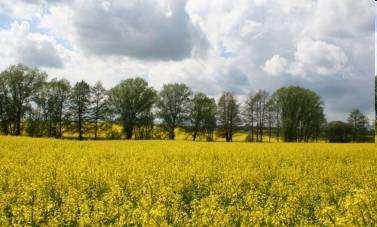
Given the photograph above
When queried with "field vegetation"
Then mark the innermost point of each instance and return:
(49, 181)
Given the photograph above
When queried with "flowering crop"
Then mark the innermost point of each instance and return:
(56, 182)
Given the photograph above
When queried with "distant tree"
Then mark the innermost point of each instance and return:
(209, 124)
(256, 114)
(275, 114)
(359, 123)
(301, 113)
(261, 99)
(249, 114)
(49, 108)
(202, 116)
(35, 126)
(4, 106)
(51, 103)
(228, 118)
(99, 109)
(339, 132)
(60, 91)
(173, 104)
(19, 84)
(270, 117)
(132, 100)
(79, 107)
(38, 118)
(145, 126)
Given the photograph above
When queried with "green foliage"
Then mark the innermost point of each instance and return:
(259, 114)
(202, 116)
(173, 104)
(359, 125)
(79, 107)
(99, 111)
(339, 132)
(132, 101)
(249, 138)
(18, 84)
(228, 116)
(35, 125)
(113, 135)
(50, 110)
(301, 113)
(53, 108)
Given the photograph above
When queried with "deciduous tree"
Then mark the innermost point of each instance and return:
(228, 118)
(132, 100)
(79, 107)
(339, 132)
(202, 116)
(301, 113)
(173, 104)
(359, 123)
(19, 84)
(99, 109)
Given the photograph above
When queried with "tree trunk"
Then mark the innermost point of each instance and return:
(80, 127)
(278, 133)
(194, 135)
(5, 127)
(171, 133)
(252, 130)
(278, 126)
(18, 124)
(60, 129)
(129, 129)
(227, 138)
(60, 121)
(49, 127)
(96, 130)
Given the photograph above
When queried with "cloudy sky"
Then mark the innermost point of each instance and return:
(214, 45)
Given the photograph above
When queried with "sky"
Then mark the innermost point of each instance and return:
(212, 46)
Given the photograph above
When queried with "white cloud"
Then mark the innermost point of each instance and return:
(34, 49)
(318, 57)
(21, 9)
(248, 45)
(276, 65)
(39, 50)
(59, 22)
(294, 6)
(139, 29)
(342, 19)
(260, 2)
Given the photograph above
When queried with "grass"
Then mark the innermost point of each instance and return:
(52, 182)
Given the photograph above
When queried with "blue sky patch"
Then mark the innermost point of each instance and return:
(5, 20)
(224, 53)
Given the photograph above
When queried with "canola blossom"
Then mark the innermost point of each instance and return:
(61, 182)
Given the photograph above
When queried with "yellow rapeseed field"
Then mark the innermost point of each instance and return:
(53, 182)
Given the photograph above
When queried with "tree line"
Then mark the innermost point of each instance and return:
(32, 105)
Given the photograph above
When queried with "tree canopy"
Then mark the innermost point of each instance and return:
(228, 118)
(132, 100)
(173, 104)
(30, 104)
(202, 116)
(19, 85)
(301, 113)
